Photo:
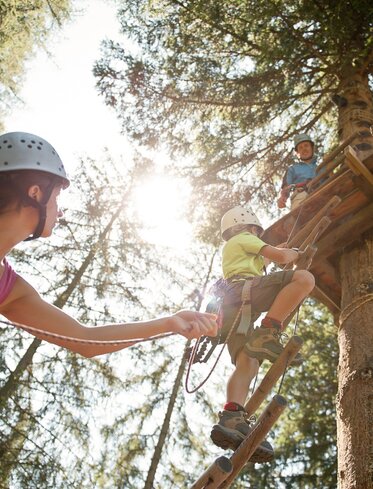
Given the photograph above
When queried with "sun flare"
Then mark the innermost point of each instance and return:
(160, 202)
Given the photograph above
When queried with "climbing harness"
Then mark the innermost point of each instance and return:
(197, 354)
(192, 355)
(295, 223)
(71, 339)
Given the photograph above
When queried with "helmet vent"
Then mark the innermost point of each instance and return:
(25, 151)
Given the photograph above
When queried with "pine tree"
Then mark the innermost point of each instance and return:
(24, 25)
(230, 84)
(96, 270)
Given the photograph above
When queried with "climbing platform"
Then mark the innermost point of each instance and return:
(342, 198)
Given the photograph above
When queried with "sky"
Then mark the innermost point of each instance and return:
(62, 105)
(60, 102)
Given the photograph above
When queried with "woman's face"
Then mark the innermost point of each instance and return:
(53, 212)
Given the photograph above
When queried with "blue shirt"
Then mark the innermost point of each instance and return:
(300, 171)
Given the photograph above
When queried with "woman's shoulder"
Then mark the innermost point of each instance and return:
(19, 290)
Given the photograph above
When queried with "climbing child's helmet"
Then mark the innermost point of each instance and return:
(300, 138)
(238, 216)
(20, 152)
(24, 151)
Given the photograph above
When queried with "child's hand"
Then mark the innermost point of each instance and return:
(192, 324)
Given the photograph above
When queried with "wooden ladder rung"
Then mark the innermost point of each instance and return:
(292, 347)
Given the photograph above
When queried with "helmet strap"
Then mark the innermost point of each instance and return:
(42, 208)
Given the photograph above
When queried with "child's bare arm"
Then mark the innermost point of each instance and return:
(279, 255)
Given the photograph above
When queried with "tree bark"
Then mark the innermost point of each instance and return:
(356, 111)
(149, 483)
(355, 371)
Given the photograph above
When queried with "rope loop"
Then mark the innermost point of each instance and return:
(353, 306)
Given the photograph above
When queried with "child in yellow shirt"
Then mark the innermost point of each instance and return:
(244, 257)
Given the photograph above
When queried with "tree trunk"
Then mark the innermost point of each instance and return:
(356, 112)
(149, 483)
(355, 372)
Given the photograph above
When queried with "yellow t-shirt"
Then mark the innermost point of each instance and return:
(240, 256)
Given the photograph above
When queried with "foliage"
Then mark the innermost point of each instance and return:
(95, 269)
(24, 25)
(229, 83)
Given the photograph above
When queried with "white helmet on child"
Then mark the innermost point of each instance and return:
(24, 151)
(238, 215)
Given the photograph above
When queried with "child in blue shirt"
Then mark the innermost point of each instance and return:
(300, 173)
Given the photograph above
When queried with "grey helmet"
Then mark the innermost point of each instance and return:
(25, 151)
(238, 215)
(299, 138)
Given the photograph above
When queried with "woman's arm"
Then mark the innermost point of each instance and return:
(25, 306)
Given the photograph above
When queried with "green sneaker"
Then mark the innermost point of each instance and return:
(232, 429)
(265, 344)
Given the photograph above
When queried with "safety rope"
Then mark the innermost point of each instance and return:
(353, 306)
(71, 339)
(295, 223)
(193, 354)
(287, 361)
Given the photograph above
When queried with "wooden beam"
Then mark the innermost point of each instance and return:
(357, 166)
(364, 186)
(326, 173)
(260, 430)
(337, 150)
(305, 230)
(345, 233)
(273, 374)
(215, 474)
(306, 258)
(319, 294)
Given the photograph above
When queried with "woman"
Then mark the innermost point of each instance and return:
(31, 178)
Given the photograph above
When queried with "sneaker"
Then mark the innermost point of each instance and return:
(232, 429)
(265, 344)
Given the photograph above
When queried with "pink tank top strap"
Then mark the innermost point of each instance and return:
(6, 281)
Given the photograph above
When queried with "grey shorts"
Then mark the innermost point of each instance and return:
(263, 295)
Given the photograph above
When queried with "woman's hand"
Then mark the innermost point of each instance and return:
(192, 324)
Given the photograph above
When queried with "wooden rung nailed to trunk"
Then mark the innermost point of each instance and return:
(215, 474)
(273, 374)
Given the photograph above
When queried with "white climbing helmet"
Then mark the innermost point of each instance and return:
(238, 215)
(300, 138)
(25, 151)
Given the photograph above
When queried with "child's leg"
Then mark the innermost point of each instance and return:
(291, 295)
(264, 342)
(232, 426)
(239, 382)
